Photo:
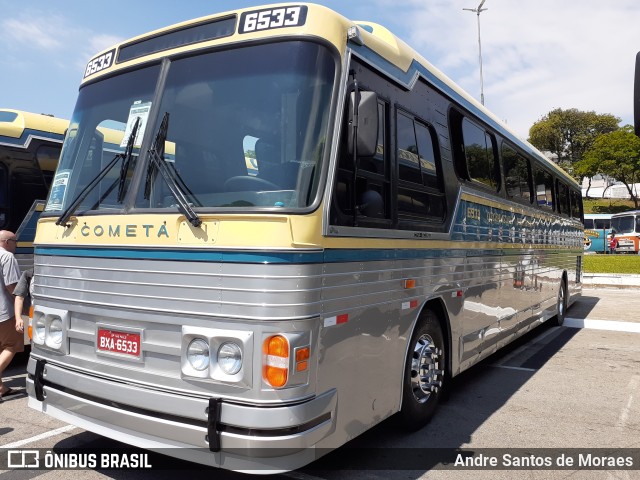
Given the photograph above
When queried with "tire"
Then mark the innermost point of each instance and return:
(426, 354)
(562, 301)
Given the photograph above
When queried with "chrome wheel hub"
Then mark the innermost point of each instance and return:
(426, 372)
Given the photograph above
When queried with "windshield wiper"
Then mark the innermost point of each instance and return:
(171, 177)
(128, 154)
(64, 217)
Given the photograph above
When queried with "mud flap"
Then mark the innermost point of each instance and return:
(213, 424)
(38, 380)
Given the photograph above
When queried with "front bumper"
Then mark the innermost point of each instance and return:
(210, 431)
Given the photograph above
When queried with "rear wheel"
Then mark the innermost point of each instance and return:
(561, 303)
(424, 373)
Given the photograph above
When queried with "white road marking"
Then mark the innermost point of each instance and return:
(42, 436)
(615, 326)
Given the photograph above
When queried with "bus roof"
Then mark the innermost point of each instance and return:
(629, 212)
(373, 42)
(17, 126)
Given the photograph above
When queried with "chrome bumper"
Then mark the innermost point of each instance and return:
(210, 431)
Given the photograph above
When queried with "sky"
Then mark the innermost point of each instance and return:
(537, 55)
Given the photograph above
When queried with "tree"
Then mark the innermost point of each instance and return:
(570, 133)
(616, 154)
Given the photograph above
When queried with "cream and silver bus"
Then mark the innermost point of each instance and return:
(305, 229)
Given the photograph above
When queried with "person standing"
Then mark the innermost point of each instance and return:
(23, 292)
(613, 243)
(11, 341)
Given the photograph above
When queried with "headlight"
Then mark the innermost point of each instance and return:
(55, 333)
(230, 358)
(198, 354)
(39, 329)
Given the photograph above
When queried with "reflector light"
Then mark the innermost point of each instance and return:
(275, 361)
(409, 283)
(30, 327)
(302, 355)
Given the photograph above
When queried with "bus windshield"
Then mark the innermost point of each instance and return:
(247, 128)
(623, 225)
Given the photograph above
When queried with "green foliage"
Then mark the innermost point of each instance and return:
(611, 263)
(616, 154)
(606, 205)
(570, 133)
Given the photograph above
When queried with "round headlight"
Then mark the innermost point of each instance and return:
(230, 358)
(55, 332)
(198, 354)
(39, 329)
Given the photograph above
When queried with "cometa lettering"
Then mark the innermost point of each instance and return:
(131, 230)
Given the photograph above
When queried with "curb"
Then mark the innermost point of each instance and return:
(603, 280)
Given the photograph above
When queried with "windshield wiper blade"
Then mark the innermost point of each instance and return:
(64, 216)
(157, 162)
(128, 154)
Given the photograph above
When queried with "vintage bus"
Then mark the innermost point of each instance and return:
(597, 232)
(339, 231)
(30, 145)
(626, 225)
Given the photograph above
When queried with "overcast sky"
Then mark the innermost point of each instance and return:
(537, 54)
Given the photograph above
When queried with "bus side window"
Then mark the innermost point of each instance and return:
(576, 205)
(517, 175)
(544, 190)
(563, 198)
(482, 166)
(419, 179)
(372, 186)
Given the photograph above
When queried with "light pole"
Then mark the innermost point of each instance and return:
(478, 11)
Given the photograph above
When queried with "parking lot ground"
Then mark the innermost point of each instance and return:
(608, 304)
(558, 389)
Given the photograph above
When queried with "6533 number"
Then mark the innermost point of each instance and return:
(273, 18)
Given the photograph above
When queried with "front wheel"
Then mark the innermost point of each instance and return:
(424, 373)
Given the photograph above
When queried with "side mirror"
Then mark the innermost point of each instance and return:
(636, 96)
(367, 127)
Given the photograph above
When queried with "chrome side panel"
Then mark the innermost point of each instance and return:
(490, 298)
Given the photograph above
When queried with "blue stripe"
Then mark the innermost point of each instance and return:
(185, 255)
(325, 256)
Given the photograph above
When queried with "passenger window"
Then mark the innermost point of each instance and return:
(576, 205)
(544, 190)
(517, 175)
(419, 185)
(371, 191)
(408, 162)
(563, 198)
(479, 155)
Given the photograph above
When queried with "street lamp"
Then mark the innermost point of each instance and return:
(478, 11)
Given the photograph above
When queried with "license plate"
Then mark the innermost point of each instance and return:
(113, 341)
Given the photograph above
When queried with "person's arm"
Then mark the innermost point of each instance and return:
(18, 304)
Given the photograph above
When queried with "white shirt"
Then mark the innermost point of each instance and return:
(10, 275)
